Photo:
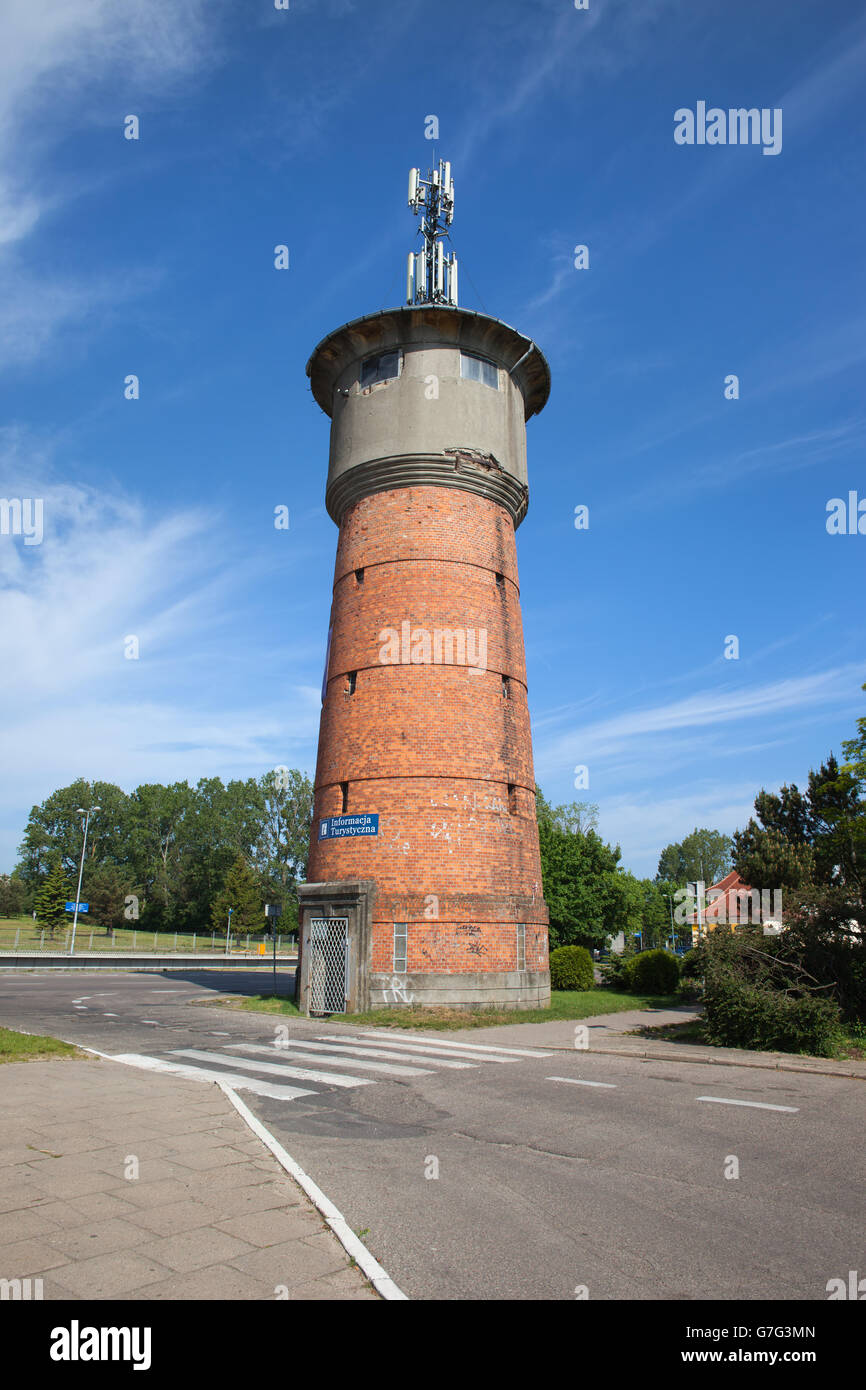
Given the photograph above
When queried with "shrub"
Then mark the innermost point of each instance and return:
(615, 971)
(739, 1014)
(571, 968)
(653, 972)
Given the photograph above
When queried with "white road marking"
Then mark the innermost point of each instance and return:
(471, 1047)
(361, 1062)
(275, 1068)
(219, 1035)
(433, 1053)
(109, 1015)
(241, 1083)
(753, 1104)
(371, 1051)
(80, 999)
(350, 1242)
(575, 1081)
(154, 1021)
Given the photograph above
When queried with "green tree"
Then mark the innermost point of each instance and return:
(105, 890)
(240, 892)
(589, 899)
(703, 856)
(55, 830)
(51, 899)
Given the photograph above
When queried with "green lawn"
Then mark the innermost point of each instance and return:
(29, 1047)
(565, 1004)
(30, 937)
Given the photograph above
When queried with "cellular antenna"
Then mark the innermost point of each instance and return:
(431, 273)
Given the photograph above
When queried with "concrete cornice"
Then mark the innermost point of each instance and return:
(452, 469)
(429, 324)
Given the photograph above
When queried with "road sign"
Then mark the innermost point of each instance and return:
(273, 909)
(337, 827)
(82, 907)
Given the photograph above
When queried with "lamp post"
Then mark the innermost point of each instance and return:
(228, 929)
(86, 814)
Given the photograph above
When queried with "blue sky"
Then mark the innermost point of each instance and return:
(155, 257)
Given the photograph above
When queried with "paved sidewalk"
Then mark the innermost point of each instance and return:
(613, 1033)
(211, 1214)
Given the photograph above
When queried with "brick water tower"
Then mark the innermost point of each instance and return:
(424, 876)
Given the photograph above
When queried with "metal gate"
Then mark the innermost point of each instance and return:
(329, 965)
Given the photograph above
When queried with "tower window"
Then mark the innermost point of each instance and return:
(512, 799)
(500, 582)
(359, 575)
(384, 367)
(476, 368)
(401, 944)
(506, 691)
(521, 945)
(344, 797)
(351, 682)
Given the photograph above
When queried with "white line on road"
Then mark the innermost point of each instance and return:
(109, 1015)
(242, 1083)
(364, 1063)
(472, 1047)
(409, 1047)
(753, 1104)
(574, 1081)
(155, 1021)
(275, 1068)
(357, 1048)
(337, 1222)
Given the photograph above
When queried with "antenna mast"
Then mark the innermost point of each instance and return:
(431, 273)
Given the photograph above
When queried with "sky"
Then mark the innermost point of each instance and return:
(154, 257)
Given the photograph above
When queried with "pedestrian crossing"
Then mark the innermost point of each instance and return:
(327, 1061)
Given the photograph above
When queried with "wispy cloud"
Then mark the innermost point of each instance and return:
(107, 569)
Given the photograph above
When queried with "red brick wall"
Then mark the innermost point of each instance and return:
(432, 748)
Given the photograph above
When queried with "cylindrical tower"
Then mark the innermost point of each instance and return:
(424, 877)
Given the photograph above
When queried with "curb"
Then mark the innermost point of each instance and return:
(355, 1248)
(645, 1055)
(382, 1282)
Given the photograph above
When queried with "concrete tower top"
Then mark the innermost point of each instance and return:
(409, 394)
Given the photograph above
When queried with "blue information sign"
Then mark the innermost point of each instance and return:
(82, 907)
(337, 827)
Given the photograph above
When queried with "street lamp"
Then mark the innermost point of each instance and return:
(228, 929)
(86, 814)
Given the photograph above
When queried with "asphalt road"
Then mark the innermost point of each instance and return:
(545, 1184)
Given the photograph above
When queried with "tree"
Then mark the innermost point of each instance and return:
(241, 893)
(816, 837)
(105, 889)
(54, 829)
(51, 899)
(14, 895)
(703, 856)
(282, 848)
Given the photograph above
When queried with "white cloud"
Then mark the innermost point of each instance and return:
(58, 61)
(72, 705)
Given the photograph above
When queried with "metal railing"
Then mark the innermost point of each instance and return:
(27, 938)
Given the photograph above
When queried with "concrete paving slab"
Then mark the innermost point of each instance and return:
(208, 1195)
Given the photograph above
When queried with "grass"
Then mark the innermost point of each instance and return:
(565, 1004)
(30, 938)
(31, 1047)
(850, 1047)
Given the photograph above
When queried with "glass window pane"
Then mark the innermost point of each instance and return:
(476, 368)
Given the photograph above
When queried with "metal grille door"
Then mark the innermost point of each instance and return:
(329, 965)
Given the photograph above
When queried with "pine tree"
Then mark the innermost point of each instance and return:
(51, 899)
(241, 893)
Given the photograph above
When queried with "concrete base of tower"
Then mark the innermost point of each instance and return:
(505, 989)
